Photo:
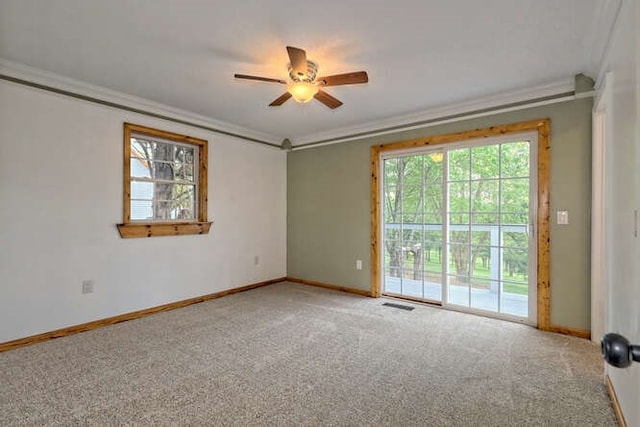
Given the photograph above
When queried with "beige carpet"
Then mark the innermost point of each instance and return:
(290, 354)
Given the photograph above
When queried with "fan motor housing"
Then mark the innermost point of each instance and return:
(312, 71)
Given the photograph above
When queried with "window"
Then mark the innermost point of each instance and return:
(165, 184)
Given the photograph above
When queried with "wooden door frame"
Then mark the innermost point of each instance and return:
(542, 127)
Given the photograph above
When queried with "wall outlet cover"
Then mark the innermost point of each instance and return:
(87, 286)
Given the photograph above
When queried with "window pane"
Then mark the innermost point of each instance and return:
(481, 260)
(392, 235)
(459, 164)
(407, 233)
(521, 218)
(433, 267)
(162, 151)
(459, 259)
(141, 210)
(413, 173)
(183, 202)
(162, 170)
(515, 264)
(459, 221)
(433, 251)
(433, 238)
(485, 195)
(183, 172)
(188, 172)
(390, 217)
(173, 201)
(480, 237)
(391, 172)
(515, 239)
(393, 258)
(515, 195)
(459, 197)
(515, 159)
(412, 218)
(413, 242)
(458, 290)
(391, 203)
(412, 199)
(433, 168)
(140, 148)
(391, 189)
(140, 168)
(433, 218)
(185, 154)
(433, 198)
(153, 150)
(484, 164)
(517, 288)
(485, 218)
(484, 294)
(141, 190)
(419, 219)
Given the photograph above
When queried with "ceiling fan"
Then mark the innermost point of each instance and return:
(303, 85)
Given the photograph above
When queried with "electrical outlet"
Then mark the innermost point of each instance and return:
(256, 260)
(87, 286)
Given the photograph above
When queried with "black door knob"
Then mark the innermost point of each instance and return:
(618, 351)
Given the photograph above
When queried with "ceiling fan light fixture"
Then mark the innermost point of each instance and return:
(303, 86)
(302, 91)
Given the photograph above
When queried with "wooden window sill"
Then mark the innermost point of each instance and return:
(168, 229)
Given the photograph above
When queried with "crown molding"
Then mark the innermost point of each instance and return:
(414, 120)
(80, 89)
(56, 82)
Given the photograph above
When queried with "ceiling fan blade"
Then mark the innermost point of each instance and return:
(261, 79)
(344, 79)
(280, 100)
(327, 99)
(298, 58)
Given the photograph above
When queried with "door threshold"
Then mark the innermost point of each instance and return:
(462, 309)
(413, 299)
(490, 314)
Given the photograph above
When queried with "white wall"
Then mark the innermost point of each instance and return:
(622, 153)
(61, 196)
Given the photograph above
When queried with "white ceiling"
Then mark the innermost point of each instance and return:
(419, 54)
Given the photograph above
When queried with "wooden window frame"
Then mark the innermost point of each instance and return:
(135, 229)
(542, 127)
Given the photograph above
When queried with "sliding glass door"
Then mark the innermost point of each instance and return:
(458, 229)
(413, 233)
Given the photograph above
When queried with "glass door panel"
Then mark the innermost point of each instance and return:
(413, 226)
(492, 263)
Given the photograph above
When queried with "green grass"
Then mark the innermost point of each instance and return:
(516, 288)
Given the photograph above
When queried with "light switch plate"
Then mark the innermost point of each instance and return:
(562, 217)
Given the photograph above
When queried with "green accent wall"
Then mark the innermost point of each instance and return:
(328, 206)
